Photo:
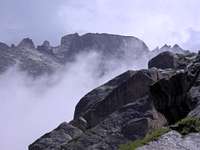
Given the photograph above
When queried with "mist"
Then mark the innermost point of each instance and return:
(32, 107)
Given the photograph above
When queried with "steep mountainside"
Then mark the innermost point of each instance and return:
(133, 105)
(27, 58)
(46, 59)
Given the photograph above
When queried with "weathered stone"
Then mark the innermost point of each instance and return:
(124, 89)
(133, 104)
(45, 47)
(80, 122)
(171, 96)
(3, 46)
(26, 43)
(163, 61)
(127, 107)
(135, 129)
(194, 94)
(174, 49)
(174, 141)
(117, 128)
(171, 60)
(111, 49)
(107, 45)
(54, 139)
(6, 60)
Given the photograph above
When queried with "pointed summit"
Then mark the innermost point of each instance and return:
(26, 43)
(45, 47)
(46, 44)
(3, 46)
(166, 46)
(176, 46)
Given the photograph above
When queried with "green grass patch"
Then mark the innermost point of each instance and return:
(154, 135)
(187, 125)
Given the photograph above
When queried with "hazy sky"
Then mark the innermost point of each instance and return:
(156, 21)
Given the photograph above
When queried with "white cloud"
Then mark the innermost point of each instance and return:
(156, 22)
(30, 108)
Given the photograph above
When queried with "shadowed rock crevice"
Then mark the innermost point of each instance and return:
(171, 102)
(171, 97)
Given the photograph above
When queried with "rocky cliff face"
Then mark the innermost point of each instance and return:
(126, 108)
(46, 59)
(27, 58)
(132, 105)
(107, 44)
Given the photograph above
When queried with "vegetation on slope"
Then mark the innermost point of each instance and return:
(154, 135)
(187, 125)
(184, 127)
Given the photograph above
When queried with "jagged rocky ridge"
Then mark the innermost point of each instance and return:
(46, 59)
(133, 104)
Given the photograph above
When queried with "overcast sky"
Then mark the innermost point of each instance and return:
(156, 21)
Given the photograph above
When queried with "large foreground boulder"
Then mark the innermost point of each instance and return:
(128, 107)
(171, 60)
(131, 122)
(124, 89)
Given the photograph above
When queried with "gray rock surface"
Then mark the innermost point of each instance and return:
(174, 141)
(107, 44)
(169, 59)
(133, 104)
(53, 140)
(26, 43)
(6, 59)
(127, 107)
(28, 59)
(195, 98)
(174, 49)
(46, 59)
(124, 89)
(45, 48)
(139, 117)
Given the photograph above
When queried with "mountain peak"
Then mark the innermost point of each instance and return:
(65, 39)
(45, 47)
(46, 43)
(26, 43)
(166, 46)
(3, 46)
(176, 46)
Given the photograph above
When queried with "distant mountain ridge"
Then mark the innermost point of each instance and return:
(46, 59)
